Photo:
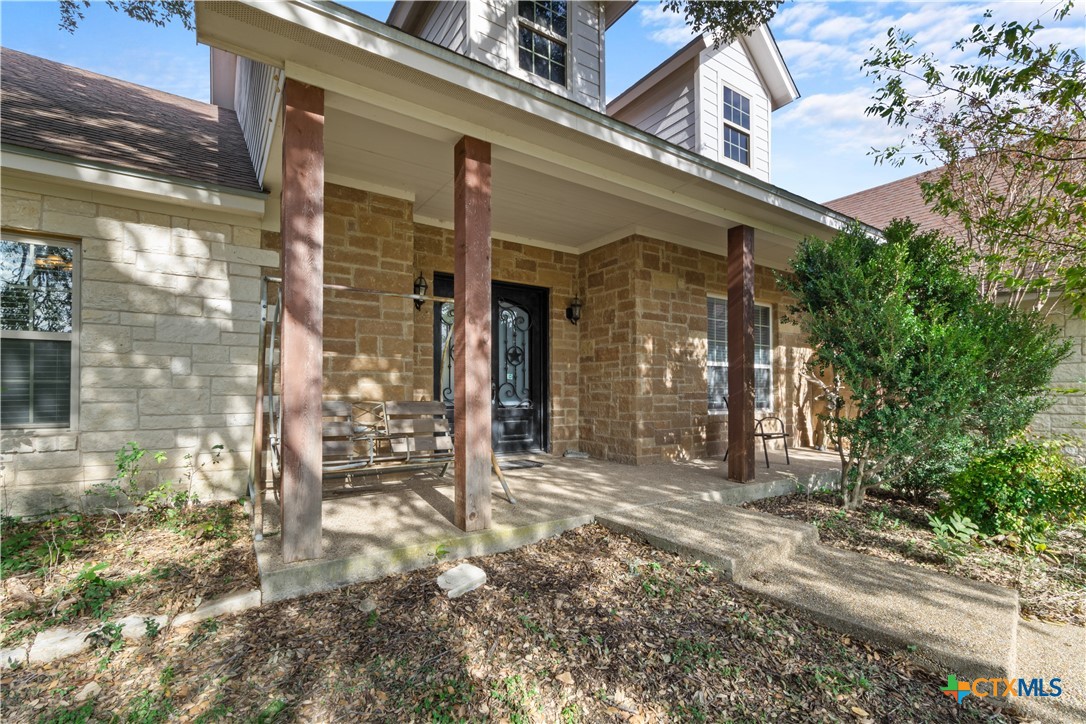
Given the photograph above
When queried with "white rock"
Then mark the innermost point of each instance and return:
(135, 626)
(231, 603)
(12, 657)
(89, 691)
(57, 643)
(458, 581)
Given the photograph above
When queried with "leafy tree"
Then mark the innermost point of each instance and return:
(923, 359)
(156, 12)
(725, 20)
(1010, 131)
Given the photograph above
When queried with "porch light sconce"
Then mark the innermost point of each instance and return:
(573, 311)
(420, 290)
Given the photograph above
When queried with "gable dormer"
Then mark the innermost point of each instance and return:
(717, 102)
(552, 44)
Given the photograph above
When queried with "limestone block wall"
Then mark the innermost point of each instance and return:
(1067, 417)
(168, 345)
(643, 352)
(368, 339)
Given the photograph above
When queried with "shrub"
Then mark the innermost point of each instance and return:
(1024, 488)
(924, 359)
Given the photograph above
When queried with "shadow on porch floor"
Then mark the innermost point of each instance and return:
(395, 526)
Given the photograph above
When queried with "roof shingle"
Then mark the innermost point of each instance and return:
(879, 205)
(47, 106)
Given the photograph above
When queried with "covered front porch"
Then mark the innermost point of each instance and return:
(393, 527)
(397, 159)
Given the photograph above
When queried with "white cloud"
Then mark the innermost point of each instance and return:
(666, 28)
(838, 28)
(797, 17)
(812, 59)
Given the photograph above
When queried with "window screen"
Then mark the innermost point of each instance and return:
(717, 355)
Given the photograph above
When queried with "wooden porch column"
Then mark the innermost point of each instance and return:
(471, 330)
(303, 313)
(741, 354)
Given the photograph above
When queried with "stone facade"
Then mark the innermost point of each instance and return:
(1067, 416)
(643, 352)
(170, 320)
(167, 346)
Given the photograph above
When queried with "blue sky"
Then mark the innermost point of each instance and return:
(821, 142)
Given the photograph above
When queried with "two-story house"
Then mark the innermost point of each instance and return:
(611, 277)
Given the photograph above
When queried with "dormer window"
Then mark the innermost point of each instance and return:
(736, 130)
(542, 36)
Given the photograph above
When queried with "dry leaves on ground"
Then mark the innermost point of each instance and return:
(590, 626)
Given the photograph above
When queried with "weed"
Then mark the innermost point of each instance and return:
(689, 712)
(270, 712)
(38, 547)
(838, 682)
(149, 707)
(439, 552)
(371, 619)
(954, 537)
(570, 714)
(93, 591)
(108, 637)
(79, 715)
(206, 629)
(689, 654)
(151, 629)
(439, 703)
(517, 697)
(530, 624)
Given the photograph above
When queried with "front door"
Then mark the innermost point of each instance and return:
(518, 346)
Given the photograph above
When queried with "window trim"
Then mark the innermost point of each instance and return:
(727, 123)
(766, 410)
(519, 20)
(73, 336)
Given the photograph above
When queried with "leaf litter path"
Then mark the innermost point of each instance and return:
(589, 626)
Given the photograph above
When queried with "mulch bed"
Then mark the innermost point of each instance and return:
(590, 626)
(1050, 587)
(78, 570)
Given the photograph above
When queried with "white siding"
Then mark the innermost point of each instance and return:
(492, 28)
(258, 94)
(668, 109)
(447, 26)
(732, 67)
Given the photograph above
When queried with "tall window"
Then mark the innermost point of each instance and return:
(38, 298)
(717, 358)
(736, 132)
(542, 32)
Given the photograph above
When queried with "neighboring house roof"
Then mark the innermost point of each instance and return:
(760, 45)
(879, 205)
(57, 109)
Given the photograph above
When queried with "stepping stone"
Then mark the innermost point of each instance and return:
(461, 579)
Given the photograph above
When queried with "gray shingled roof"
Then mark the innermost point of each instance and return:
(879, 205)
(47, 106)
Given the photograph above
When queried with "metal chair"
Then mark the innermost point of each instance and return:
(778, 432)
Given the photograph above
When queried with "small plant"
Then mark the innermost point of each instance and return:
(1024, 488)
(439, 552)
(93, 591)
(204, 631)
(151, 628)
(953, 536)
(107, 636)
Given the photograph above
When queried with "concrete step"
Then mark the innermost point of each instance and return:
(1047, 651)
(733, 540)
(967, 626)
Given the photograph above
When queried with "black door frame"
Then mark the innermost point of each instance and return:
(443, 287)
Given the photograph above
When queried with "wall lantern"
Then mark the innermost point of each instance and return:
(420, 290)
(573, 311)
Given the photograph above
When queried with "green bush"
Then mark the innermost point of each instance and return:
(1023, 488)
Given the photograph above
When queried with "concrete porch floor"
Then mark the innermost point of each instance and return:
(396, 526)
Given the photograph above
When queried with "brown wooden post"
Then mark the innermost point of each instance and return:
(303, 314)
(471, 332)
(741, 354)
